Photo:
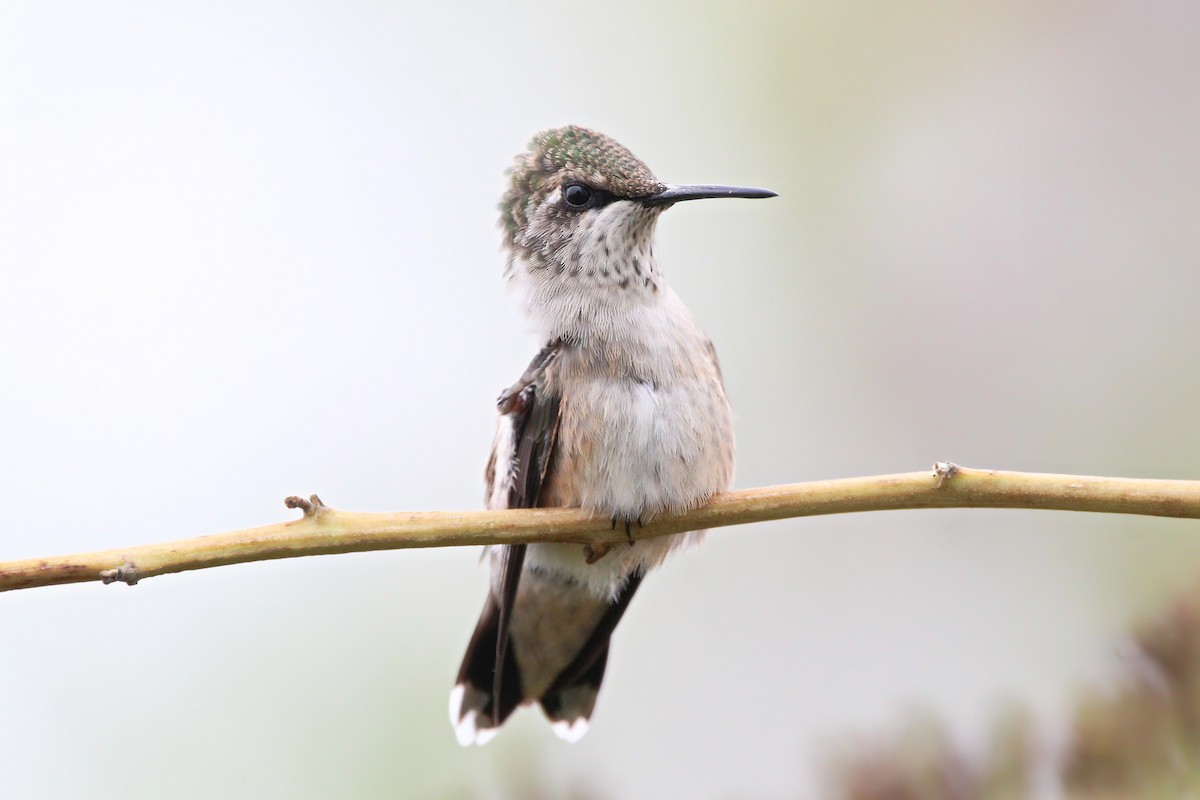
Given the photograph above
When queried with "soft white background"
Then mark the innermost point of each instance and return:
(249, 250)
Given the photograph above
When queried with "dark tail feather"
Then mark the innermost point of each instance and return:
(569, 704)
(512, 561)
(473, 710)
(570, 699)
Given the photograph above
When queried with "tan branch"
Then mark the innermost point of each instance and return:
(324, 530)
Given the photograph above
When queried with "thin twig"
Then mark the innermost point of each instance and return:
(323, 530)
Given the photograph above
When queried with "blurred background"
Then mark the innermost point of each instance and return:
(249, 250)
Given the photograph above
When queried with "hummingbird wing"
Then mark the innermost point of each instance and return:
(534, 430)
(488, 686)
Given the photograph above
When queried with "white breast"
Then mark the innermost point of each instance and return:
(644, 428)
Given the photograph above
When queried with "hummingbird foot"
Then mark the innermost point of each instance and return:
(595, 551)
(628, 535)
(628, 523)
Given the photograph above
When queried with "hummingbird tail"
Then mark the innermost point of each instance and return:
(563, 633)
(570, 699)
(569, 705)
(473, 707)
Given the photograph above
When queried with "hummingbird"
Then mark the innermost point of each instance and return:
(622, 414)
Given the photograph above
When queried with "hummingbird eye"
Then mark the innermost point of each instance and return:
(577, 195)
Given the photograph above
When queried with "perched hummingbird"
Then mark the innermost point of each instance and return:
(623, 414)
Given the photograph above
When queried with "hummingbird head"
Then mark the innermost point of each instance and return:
(578, 221)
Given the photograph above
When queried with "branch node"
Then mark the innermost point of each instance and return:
(311, 507)
(944, 471)
(127, 573)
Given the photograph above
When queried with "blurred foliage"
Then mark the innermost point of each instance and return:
(1139, 737)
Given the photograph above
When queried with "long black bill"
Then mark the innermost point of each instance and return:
(674, 194)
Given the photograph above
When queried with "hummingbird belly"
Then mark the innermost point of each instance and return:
(628, 449)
